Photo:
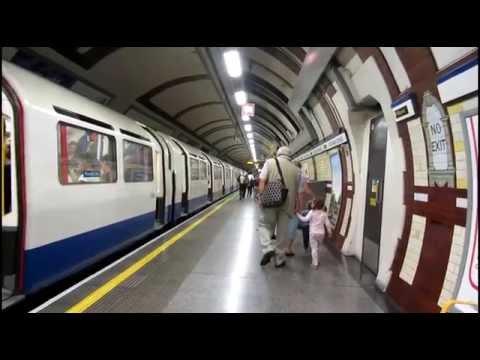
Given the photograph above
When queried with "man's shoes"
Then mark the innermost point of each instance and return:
(267, 257)
(290, 254)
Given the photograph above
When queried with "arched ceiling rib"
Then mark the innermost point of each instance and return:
(182, 89)
(166, 85)
(208, 124)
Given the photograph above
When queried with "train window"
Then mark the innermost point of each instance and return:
(194, 169)
(203, 170)
(137, 162)
(217, 173)
(85, 156)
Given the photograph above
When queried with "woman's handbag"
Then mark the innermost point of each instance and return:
(275, 192)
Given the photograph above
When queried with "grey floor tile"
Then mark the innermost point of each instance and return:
(215, 269)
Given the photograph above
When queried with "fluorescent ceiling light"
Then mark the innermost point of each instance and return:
(248, 127)
(232, 61)
(245, 117)
(241, 97)
(250, 135)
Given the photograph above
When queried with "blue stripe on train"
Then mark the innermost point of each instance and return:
(193, 205)
(197, 202)
(49, 263)
(177, 213)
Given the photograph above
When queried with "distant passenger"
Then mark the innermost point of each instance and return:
(250, 185)
(278, 217)
(305, 225)
(318, 219)
(242, 182)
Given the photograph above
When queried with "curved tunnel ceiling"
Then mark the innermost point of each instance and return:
(175, 90)
(269, 78)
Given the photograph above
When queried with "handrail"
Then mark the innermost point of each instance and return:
(451, 302)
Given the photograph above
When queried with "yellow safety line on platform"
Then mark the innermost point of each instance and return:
(452, 302)
(96, 295)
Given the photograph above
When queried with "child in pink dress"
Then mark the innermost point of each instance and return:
(318, 219)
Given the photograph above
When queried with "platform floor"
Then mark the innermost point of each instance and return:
(214, 268)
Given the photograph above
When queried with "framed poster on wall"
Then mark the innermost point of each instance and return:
(441, 168)
(336, 198)
(468, 289)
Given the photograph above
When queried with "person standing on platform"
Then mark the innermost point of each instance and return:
(242, 181)
(318, 219)
(278, 217)
(251, 184)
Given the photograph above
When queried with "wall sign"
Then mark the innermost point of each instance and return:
(439, 148)
(437, 138)
(248, 110)
(459, 81)
(402, 111)
(404, 107)
(337, 140)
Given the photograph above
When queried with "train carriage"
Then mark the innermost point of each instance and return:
(81, 181)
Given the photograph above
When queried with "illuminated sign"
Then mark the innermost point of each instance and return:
(248, 110)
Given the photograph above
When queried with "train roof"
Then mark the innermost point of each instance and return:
(33, 90)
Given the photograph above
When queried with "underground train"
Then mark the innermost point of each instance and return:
(80, 181)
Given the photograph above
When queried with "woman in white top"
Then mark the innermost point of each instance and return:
(318, 220)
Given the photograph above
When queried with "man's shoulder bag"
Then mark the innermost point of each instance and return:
(275, 192)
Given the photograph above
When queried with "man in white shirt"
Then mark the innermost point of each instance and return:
(278, 217)
(250, 185)
(242, 181)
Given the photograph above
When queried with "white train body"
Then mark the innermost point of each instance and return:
(64, 223)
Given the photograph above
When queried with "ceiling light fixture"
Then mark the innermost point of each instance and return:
(248, 127)
(233, 64)
(241, 97)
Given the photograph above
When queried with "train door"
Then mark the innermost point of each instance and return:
(374, 202)
(160, 181)
(182, 178)
(168, 180)
(11, 212)
(185, 183)
(210, 178)
(159, 187)
(224, 181)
